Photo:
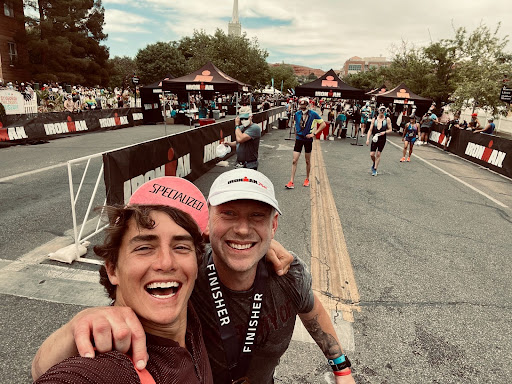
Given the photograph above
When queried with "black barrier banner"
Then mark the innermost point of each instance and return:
(489, 151)
(188, 154)
(20, 129)
(437, 136)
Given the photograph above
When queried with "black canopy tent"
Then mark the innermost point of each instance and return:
(150, 101)
(207, 78)
(402, 96)
(329, 85)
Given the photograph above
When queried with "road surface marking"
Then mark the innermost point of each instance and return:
(454, 177)
(333, 276)
(30, 173)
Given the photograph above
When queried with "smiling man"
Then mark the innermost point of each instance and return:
(254, 309)
(151, 254)
(247, 312)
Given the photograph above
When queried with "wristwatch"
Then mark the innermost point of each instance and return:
(340, 363)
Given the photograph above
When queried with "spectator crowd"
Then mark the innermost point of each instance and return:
(55, 97)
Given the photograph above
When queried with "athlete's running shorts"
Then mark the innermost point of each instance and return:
(379, 145)
(308, 146)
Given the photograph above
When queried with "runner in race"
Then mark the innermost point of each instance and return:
(380, 126)
(365, 115)
(409, 137)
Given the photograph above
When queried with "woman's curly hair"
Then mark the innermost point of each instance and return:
(119, 217)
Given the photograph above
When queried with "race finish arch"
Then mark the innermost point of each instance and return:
(329, 85)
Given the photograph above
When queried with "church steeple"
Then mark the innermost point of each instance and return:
(234, 19)
(234, 27)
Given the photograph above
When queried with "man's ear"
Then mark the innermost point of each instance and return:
(112, 273)
(275, 223)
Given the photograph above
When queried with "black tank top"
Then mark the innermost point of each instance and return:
(382, 128)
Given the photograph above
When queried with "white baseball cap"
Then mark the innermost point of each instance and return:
(303, 100)
(242, 184)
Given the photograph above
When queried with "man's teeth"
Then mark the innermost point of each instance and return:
(168, 284)
(240, 246)
(163, 296)
(163, 289)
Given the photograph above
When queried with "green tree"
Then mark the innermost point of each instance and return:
(410, 66)
(481, 66)
(159, 60)
(467, 70)
(237, 56)
(441, 60)
(312, 77)
(368, 80)
(64, 42)
(283, 73)
(427, 71)
(120, 69)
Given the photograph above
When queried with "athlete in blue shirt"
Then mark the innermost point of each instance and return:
(307, 124)
(409, 137)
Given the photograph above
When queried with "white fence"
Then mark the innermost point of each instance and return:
(93, 226)
(31, 105)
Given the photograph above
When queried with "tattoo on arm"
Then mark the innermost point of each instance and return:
(325, 341)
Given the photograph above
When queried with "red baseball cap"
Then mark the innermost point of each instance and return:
(173, 192)
(474, 114)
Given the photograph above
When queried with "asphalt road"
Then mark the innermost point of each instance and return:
(429, 245)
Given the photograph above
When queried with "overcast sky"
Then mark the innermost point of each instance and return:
(319, 34)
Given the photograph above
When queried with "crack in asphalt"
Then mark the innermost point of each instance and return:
(399, 304)
(501, 212)
(338, 299)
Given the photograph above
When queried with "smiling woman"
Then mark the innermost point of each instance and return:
(151, 256)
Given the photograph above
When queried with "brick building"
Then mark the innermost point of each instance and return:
(13, 54)
(357, 64)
